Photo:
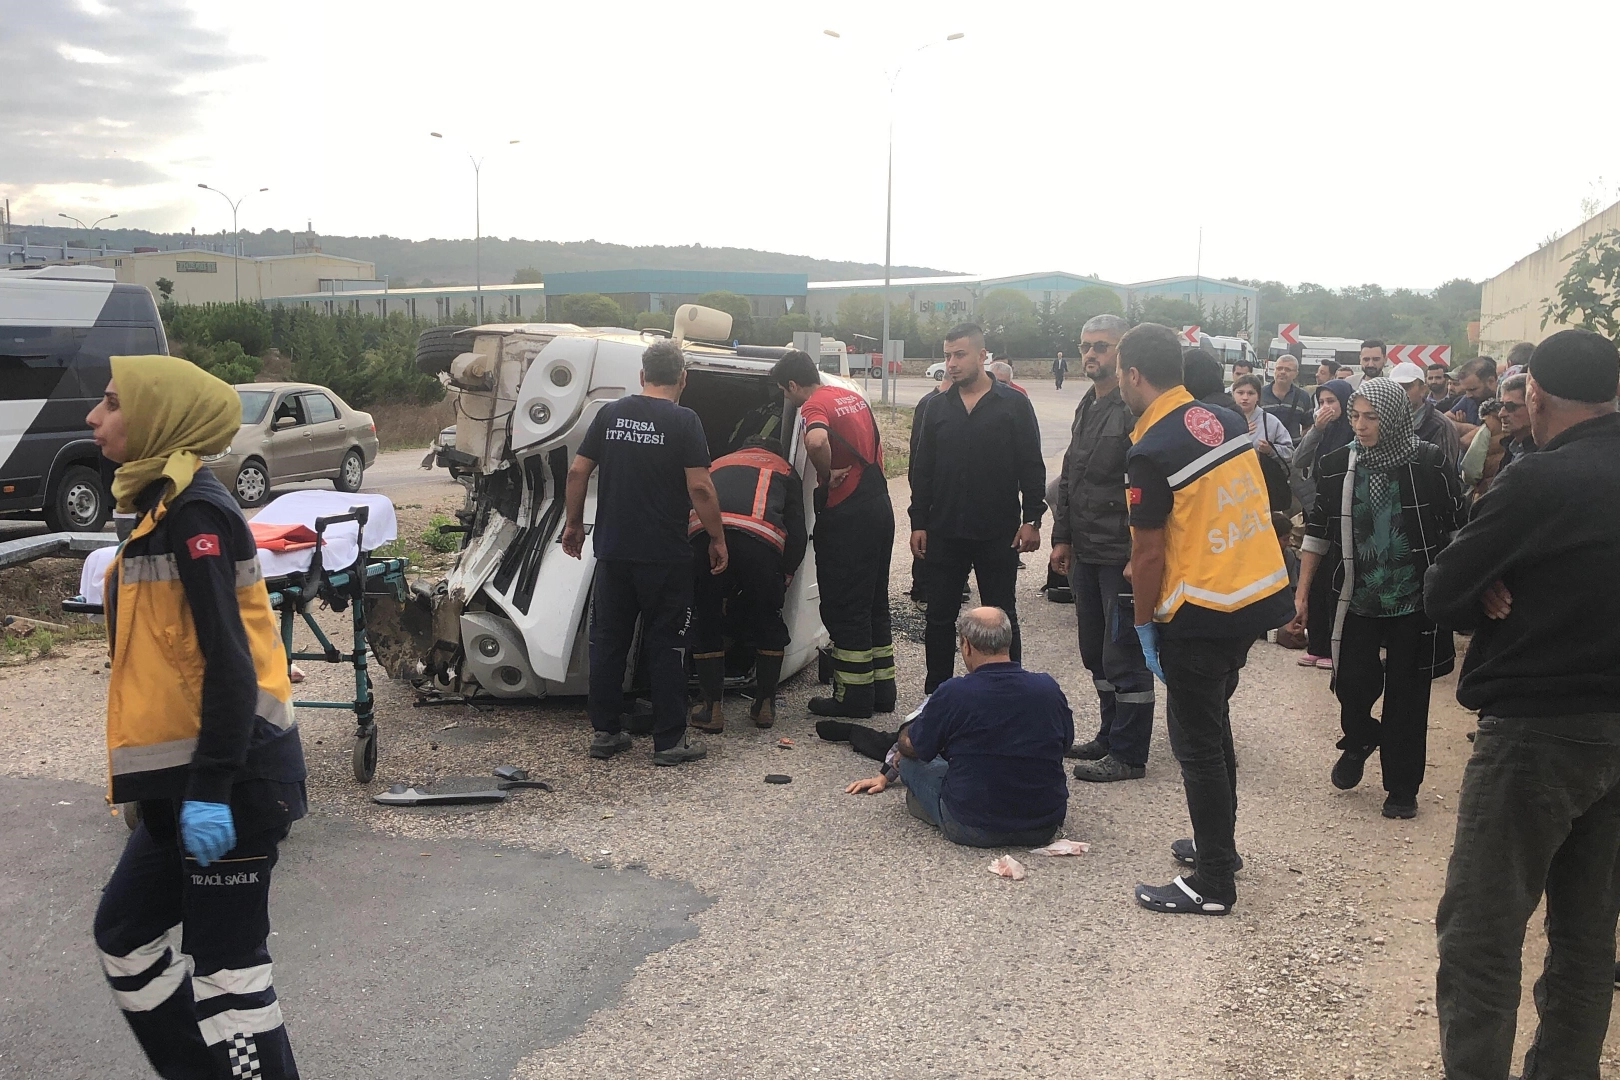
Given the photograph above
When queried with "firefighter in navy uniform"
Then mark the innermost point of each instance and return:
(1207, 578)
(854, 537)
(200, 733)
(762, 507)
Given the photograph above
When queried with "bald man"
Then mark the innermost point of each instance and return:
(983, 761)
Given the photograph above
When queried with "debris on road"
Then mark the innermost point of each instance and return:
(778, 778)
(1062, 847)
(1007, 867)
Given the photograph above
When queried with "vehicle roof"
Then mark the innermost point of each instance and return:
(285, 386)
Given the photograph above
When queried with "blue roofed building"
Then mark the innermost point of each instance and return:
(770, 295)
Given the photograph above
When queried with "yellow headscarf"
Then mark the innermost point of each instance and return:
(174, 413)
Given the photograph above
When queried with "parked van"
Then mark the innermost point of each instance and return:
(59, 327)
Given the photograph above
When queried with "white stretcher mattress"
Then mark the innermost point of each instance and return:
(293, 508)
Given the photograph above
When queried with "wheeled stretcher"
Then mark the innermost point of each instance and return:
(296, 579)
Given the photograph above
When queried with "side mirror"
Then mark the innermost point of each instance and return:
(281, 423)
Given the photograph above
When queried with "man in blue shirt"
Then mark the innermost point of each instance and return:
(984, 759)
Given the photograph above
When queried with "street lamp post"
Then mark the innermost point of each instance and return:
(478, 225)
(236, 249)
(92, 225)
(888, 196)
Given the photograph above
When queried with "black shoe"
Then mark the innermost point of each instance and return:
(1397, 807)
(604, 744)
(1064, 595)
(1088, 751)
(1180, 898)
(1105, 770)
(885, 695)
(833, 730)
(1348, 769)
(871, 742)
(1185, 853)
(680, 754)
(856, 704)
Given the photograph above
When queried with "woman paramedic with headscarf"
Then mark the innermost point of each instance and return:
(1386, 505)
(200, 734)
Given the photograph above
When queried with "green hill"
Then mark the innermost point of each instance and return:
(445, 262)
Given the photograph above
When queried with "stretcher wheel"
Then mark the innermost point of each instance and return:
(365, 756)
(131, 813)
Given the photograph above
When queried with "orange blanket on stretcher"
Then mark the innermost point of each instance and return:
(282, 537)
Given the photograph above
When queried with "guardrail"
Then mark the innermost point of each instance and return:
(29, 548)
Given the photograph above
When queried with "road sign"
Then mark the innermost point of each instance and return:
(1421, 355)
(1189, 335)
(1289, 332)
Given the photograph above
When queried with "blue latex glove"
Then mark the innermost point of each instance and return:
(206, 830)
(1148, 635)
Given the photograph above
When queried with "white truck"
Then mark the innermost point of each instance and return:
(511, 618)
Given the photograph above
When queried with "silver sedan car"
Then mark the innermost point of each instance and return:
(293, 432)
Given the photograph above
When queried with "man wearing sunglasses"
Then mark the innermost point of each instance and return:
(1517, 442)
(1091, 545)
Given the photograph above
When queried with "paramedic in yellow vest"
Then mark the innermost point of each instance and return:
(200, 734)
(1208, 578)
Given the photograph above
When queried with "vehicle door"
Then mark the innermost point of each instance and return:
(801, 607)
(328, 440)
(291, 442)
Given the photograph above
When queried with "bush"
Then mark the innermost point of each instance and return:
(654, 320)
(590, 309)
(365, 359)
(435, 540)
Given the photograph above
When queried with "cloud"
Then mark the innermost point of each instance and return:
(95, 94)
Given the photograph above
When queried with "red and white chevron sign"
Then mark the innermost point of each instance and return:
(1289, 332)
(1189, 335)
(1421, 355)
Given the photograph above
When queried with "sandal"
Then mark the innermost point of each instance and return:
(1185, 853)
(1178, 898)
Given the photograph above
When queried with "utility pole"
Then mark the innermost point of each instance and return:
(236, 252)
(478, 226)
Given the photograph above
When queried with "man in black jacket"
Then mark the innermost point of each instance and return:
(1091, 543)
(1536, 575)
(978, 493)
(919, 589)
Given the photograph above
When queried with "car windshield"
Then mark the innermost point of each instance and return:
(254, 404)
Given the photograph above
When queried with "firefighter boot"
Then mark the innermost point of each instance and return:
(767, 672)
(709, 716)
(883, 691)
(852, 686)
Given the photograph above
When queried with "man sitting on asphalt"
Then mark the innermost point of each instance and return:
(984, 760)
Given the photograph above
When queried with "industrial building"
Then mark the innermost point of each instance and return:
(957, 296)
(440, 303)
(213, 277)
(1511, 302)
(635, 291)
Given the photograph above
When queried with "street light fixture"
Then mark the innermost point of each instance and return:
(888, 195)
(92, 225)
(478, 225)
(236, 253)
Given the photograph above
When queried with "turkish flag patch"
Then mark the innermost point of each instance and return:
(203, 545)
(1134, 496)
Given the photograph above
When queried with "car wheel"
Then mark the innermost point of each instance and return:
(252, 487)
(351, 472)
(79, 503)
(939, 376)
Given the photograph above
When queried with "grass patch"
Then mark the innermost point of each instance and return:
(894, 424)
(18, 647)
(442, 542)
(412, 427)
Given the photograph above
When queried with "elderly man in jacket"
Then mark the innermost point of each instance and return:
(1091, 543)
(1535, 574)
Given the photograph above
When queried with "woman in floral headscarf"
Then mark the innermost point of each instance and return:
(1386, 504)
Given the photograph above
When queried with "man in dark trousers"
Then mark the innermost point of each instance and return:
(854, 536)
(1208, 577)
(762, 506)
(1060, 368)
(1535, 574)
(919, 590)
(655, 473)
(1091, 544)
(978, 493)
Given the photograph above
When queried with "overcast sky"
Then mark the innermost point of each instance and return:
(1403, 143)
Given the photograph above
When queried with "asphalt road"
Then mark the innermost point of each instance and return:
(416, 959)
(1054, 408)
